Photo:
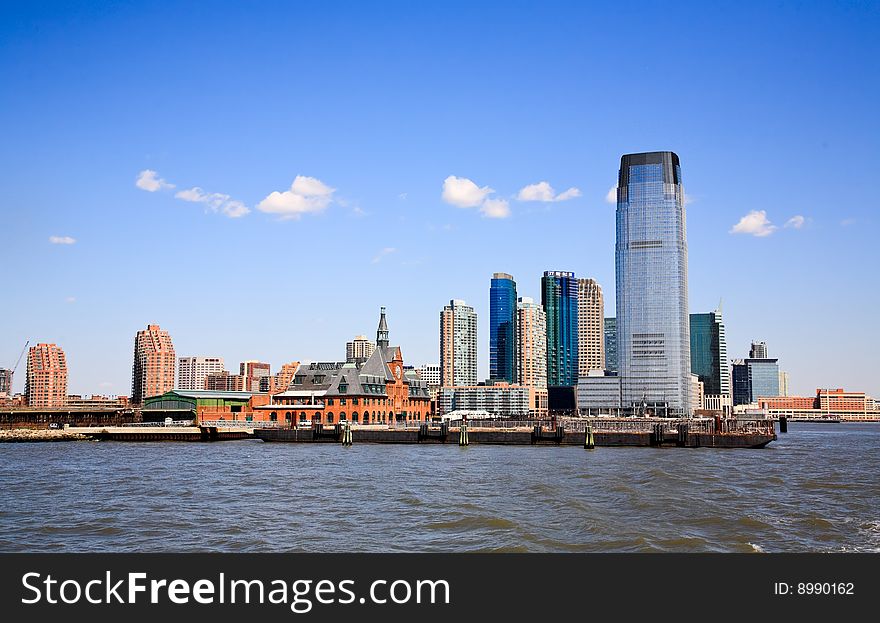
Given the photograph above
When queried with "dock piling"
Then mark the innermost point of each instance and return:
(589, 441)
(463, 435)
(783, 424)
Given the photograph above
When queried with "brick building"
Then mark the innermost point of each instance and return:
(46, 382)
(154, 364)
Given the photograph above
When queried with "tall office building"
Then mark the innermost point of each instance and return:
(458, 344)
(359, 349)
(559, 296)
(502, 328)
(783, 383)
(611, 344)
(46, 381)
(5, 382)
(252, 371)
(531, 343)
(653, 337)
(591, 327)
(191, 371)
(758, 350)
(154, 362)
(754, 379)
(709, 353)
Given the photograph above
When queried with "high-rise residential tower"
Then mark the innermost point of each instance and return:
(610, 328)
(591, 327)
(653, 337)
(359, 349)
(191, 371)
(758, 350)
(559, 296)
(709, 353)
(46, 381)
(5, 382)
(154, 363)
(252, 371)
(502, 328)
(458, 344)
(531, 343)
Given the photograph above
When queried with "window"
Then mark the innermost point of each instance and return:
(342, 417)
(287, 416)
(330, 401)
(354, 417)
(273, 417)
(343, 388)
(329, 418)
(354, 401)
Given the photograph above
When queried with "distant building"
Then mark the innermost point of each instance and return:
(458, 344)
(46, 381)
(154, 364)
(611, 344)
(758, 350)
(753, 378)
(591, 329)
(285, 376)
(502, 328)
(430, 374)
(531, 343)
(5, 382)
(95, 401)
(191, 371)
(598, 393)
(499, 400)
(359, 349)
(559, 296)
(252, 371)
(783, 383)
(826, 404)
(225, 382)
(709, 352)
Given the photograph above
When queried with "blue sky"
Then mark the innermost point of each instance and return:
(356, 113)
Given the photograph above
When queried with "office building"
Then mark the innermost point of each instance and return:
(653, 337)
(591, 327)
(758, 350)
(754, 378)
(46, 380)
(610, 330)
(359, 349)
(598, 393)
(830, 404)
(191, 371)
(709, 352)
(154, 364)
(499, 400)
(502, 328)
(458, 344)
(783, 383)
(559, 296)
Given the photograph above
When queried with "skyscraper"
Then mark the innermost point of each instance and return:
(754, 379)
(758, 350)
(559, 296)
(458, 344)
(191, 371)
(653, 338)
(591, 329)
(531, 343)
(359, 349)
(611, 344)
(46, 381)
(154, 362)
(709, 353)
(502, 328)
(5, 382)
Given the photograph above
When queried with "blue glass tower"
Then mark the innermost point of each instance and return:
(611, 344)
(559, 296)
(502, 328)
(653, 337)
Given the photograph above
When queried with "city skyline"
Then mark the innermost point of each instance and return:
(425, 174)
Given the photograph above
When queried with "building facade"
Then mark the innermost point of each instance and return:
(758, 350)
(458, 344)
(191, 371)
(531, 343)
(498, 400)
(5, 382)
(253, 371)
(559, 297)
(591, 327)
(830, 404)
(502, 328)
(783, 383)
(754, 378)
(610, 328)
(653, 337)
(598, 393)
(709, 352)
(46, 381)
(154, 364)
(225, 382)
(359, 349)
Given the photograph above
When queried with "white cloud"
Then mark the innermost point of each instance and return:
(611, 195)
(462, 192)
(495, 208)
(847, 221)
(150, 181)
(383, 253)
(217, 202)
(402, 196)
(306, 195)
(754, 223)
(543, 191)
(62, 240)
(795, 222)
(70, 299)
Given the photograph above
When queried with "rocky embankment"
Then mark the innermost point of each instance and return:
(32, 434)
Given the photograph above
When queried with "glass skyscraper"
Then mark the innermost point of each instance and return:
(709, 352)
(502, 328)
(559, 296)
(653, 336)
(611, 344)
(754, 379)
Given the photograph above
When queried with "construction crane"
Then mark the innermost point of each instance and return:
(20, 356)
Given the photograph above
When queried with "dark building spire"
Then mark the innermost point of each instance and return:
(382, 331)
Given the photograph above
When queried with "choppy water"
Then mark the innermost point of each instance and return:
(816, 489)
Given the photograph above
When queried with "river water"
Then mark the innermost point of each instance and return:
(815, 489)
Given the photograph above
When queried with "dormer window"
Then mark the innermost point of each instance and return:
(343, 388)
